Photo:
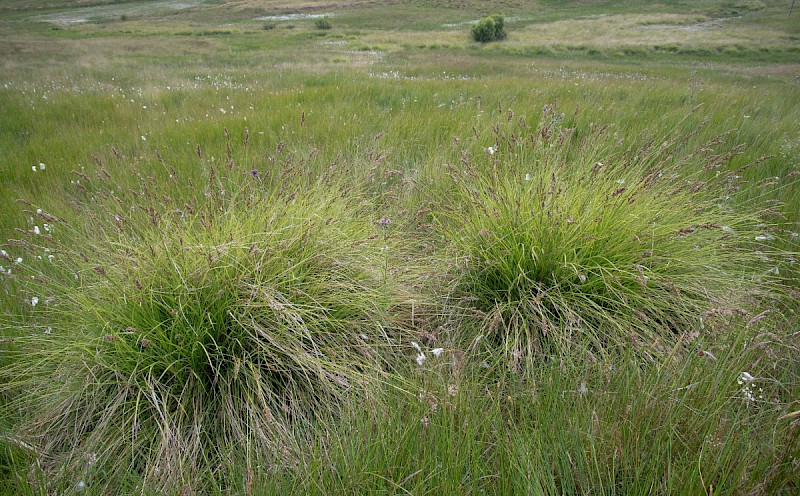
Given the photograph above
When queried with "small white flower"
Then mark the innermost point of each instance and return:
(728, 229)
(527, 177)
(437, 351)
(144, 138)
(223, 110)
(745, 378)
(48, 331)
(36, 230)
(18, 260)
(38, 210)
(620, 181)
(491, 150)
(416, 346)
(421, 358)
(80, 487)
(763, 237)
(46, 228)
(3, 253)
(33, 168)
(42, 166)
(34, 301)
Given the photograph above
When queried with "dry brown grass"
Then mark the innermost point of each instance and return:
(647, 30)
(54, 59)
(391, 40)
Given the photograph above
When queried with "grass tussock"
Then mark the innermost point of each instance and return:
(562, 242)
(181, 337)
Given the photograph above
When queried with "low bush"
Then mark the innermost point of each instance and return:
(488, 29)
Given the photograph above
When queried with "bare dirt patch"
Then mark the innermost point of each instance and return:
(104, 12)
(293, 17)
(286, 6)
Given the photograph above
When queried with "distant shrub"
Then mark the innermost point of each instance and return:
(488, 29)
(269, 26)
(322, 23)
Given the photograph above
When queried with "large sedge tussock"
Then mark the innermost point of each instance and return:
(560, 241)
(177, 337)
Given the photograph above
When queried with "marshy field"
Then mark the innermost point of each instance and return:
(338, 247)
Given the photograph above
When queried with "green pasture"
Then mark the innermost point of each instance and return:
(246, 255)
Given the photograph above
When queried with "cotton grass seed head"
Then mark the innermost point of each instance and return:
(745, 378)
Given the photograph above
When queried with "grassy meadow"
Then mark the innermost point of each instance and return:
(245, 251)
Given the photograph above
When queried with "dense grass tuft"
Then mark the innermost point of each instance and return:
(194, 335)
(563, 240)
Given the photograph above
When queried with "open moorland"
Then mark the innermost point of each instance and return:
(339, 247)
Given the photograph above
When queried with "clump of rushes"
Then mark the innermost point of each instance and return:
(322, 23)
(195, 335)
(560, 243)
